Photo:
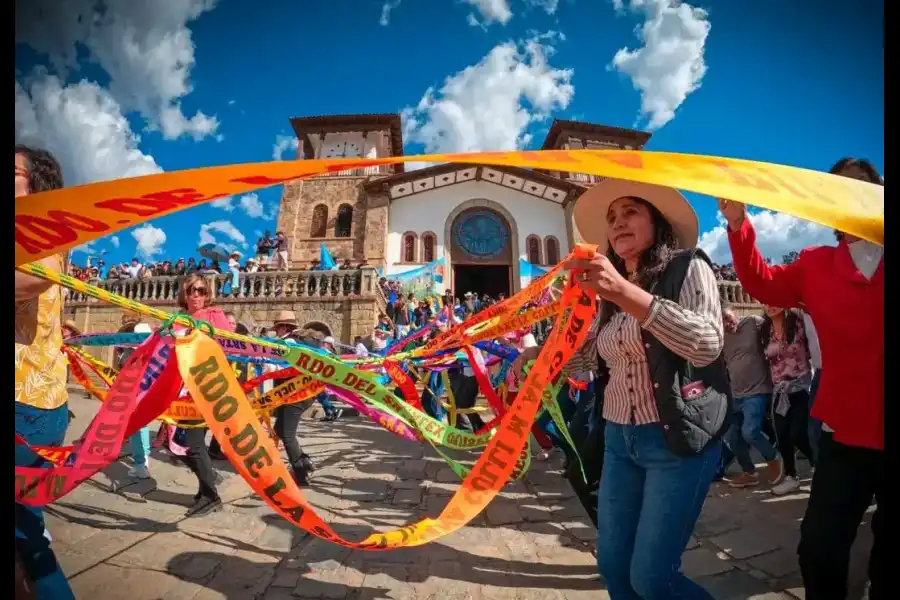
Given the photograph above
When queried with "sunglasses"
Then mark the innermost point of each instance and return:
(200, 291)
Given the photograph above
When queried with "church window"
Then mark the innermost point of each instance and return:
(344, 221)
(552, 254)
(428, 248)
(319, 221)
(409, 248)
(533, 244)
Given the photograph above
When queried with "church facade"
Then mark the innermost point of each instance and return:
(461, 227)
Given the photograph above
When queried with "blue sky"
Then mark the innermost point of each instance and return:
(190, 83)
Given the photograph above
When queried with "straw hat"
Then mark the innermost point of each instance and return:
(285, 317)
(70, 324)
(591, 207)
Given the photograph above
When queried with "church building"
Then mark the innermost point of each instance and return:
(462, 227)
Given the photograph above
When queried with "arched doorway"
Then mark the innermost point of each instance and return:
(481, 242)
(318, 326)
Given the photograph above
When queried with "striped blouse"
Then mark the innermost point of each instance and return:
(691, 328)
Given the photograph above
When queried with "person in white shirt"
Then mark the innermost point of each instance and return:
(134, 269)
(360, 348)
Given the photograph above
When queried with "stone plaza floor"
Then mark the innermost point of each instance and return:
(121, 539)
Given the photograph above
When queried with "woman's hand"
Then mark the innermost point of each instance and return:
(599, 276)
(734, 213)
(526, 356)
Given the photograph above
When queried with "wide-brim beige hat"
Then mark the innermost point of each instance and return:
(285, 317)
(589, 214)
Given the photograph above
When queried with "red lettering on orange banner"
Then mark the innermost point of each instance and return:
(157, 202)
(59, 229)
(265, 180)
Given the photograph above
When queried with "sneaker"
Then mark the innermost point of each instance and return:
(775, 470)
(337, 414)
(790, 484)
(47, 535)
(744, 480)
(204, 506)
(139, 471)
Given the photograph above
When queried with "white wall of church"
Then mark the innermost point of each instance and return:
(428, 211)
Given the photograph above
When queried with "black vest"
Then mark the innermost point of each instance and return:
(689, 426)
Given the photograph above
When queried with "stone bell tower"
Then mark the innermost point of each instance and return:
(333, 209)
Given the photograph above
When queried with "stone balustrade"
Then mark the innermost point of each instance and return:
(732, 292)
(293, 285)
(253, 287)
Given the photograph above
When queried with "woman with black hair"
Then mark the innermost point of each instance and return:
(782, 336)
(664, 385)
(842, 290)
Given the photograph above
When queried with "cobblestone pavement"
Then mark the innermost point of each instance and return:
(533, 541)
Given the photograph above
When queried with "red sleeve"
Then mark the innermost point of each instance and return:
(780, 285)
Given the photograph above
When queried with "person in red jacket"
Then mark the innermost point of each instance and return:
(842, 290)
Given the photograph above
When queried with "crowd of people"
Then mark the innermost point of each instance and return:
(669, 388)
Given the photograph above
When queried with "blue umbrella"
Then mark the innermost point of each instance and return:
(214, 252)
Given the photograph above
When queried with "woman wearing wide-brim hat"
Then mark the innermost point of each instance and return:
(287, 416)
(656, 347)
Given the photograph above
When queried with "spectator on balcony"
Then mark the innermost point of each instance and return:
(134, 270)
(281, 247)
(346, 265)
(264, 248)
(179, 269)
(102, 270)
(842, 289)
(233, 285)
(191, 266)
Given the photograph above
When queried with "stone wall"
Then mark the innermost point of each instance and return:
(347, 303)
(296, 212)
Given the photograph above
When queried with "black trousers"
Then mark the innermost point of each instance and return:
(199, 462)
(792, 432)
(465, 392)
(845, 481)
(287, 419)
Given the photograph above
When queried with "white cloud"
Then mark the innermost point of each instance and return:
(226, 204)
(149, 240)
(231, 102)
(776, 235)
(249, 204)
(489, 106)
(670, 64)
(386, 9)
(146, 48)
(283, 143)
(226, 228)
(255, 209)
(114, 240)
(83, 126)
(87, 249)
(491, 11)
(548, 6)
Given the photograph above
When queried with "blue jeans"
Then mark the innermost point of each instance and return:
(814, 429)
(330, 408)
(431, 396)
(140, 446)
(649, 502)
(746, 431)
(40, 428)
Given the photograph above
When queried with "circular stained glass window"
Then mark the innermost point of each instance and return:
(481, 234)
